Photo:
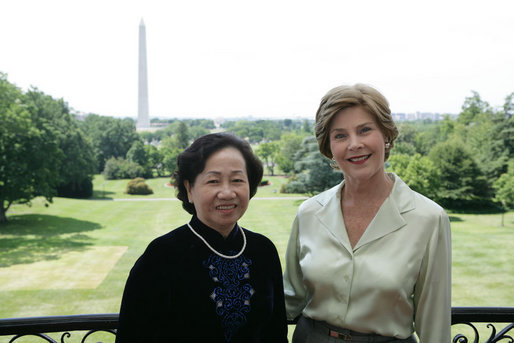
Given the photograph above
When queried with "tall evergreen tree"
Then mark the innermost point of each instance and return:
(314, 173)
(462, 181)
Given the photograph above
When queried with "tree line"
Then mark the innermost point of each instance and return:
(46, 150)
(463, 163)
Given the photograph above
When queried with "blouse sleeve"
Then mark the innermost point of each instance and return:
(432, 296)
(294, 289)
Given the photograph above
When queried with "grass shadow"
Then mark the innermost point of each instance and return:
(100, 194)
(34, 237)
(455, 219)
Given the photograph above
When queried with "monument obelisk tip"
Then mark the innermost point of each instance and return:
(143, 121)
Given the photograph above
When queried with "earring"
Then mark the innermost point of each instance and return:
(387, 145)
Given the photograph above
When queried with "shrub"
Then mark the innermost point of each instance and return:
(138, 186)
(119, 168)
(265, 183)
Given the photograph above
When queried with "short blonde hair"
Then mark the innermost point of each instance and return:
(343, 97)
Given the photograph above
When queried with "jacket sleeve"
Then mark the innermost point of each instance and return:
(140, 302)
(432, 296)
(294, 289)
(277, 329)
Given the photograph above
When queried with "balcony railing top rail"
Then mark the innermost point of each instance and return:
(39, 326)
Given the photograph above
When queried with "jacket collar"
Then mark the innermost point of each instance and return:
(389, 217)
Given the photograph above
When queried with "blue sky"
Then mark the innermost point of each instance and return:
(268, 58)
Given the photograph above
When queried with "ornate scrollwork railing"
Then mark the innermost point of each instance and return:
(469, 316)
(41, 326)
(94, 323)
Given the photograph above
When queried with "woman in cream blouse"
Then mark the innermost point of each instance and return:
(370, 259)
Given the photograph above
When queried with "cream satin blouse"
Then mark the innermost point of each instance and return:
(397, 278)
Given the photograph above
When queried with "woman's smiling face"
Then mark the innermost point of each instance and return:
(221, 191)
(357, 144)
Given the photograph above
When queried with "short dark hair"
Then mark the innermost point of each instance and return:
(191, 162)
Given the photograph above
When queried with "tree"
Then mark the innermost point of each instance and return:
(308, 146)
(473, 106)
(271, 130)
(265, 130)
(404, 148)
(463, 184)
(504, 187)
(120, 168)
(170, 152)
(255, 132)
(481, 128)
(110, 137)
(307, 127)
(314, 173)
(170, 159)
(487, 145)
(406, 141)
(137, 153)
(418, 172)
(155, 159)
(430, 134)
(29, 151)
(407, 134)
(506, 125)
(446, 128)
(398, 163)
(182, 134)
(77, 163)
(289, 143)
(197, 131)
(147, 136)
(268, 152)
(79, 166)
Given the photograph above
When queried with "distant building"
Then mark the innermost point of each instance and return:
(420, 116)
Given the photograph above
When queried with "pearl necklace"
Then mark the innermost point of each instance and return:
(218, 253)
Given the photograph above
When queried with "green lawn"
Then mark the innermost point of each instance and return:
(73, 256)
(115, 189)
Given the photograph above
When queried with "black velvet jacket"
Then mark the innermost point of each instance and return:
(180, 291)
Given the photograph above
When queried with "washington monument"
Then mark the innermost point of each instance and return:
(143, 120)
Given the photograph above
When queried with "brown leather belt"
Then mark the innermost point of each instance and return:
(353, 336)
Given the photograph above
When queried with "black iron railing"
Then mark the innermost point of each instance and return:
(39, 327)
(470, 316)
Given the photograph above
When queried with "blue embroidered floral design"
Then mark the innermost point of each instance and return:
(232, 295)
